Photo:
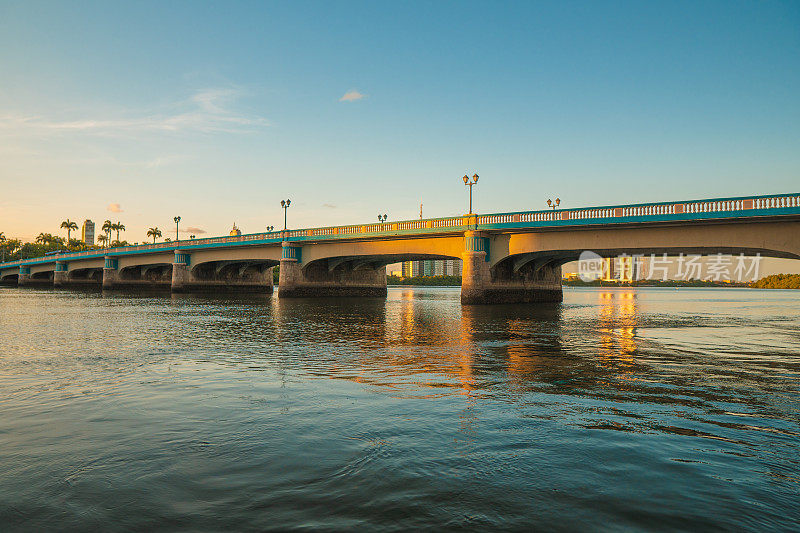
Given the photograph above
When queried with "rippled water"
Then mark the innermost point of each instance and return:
(644, 409)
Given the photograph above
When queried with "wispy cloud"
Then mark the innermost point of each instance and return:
(114, 208)
(196, 231)
(207, 111)
(352, 95)
(329, 206)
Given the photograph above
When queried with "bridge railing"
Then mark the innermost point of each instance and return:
(639, 212)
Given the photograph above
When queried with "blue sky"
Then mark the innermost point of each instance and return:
(217, 111)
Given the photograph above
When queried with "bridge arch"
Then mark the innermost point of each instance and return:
(92, 275)
(9, 278)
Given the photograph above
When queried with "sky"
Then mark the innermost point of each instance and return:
(215, 111)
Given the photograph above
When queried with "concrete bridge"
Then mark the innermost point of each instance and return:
(508, 257)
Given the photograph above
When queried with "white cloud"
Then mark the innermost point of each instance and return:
(196, 231)
(114, 208)
(206, 111)
(352, 95)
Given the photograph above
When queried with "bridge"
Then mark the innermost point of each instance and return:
(508, 257)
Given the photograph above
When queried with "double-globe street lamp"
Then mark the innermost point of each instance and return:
(469, 183)
(270, 228)
(553, 204)
(177, 225)
(382, 218)
(285, 205)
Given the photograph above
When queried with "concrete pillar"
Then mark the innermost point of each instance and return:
(181, 275)
(60, 274)
(110, 272)
(481, 284)
(297, 280)
(289, 274)
(475, 276)
(24, 277)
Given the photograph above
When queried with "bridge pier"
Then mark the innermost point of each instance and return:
(110, 273)
(180, 271)
(482, 284)
(317, 280)
(24, 276)
(61, 274)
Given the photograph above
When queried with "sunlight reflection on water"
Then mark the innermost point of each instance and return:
(626, 406)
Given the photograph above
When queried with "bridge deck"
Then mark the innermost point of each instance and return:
(749, 207)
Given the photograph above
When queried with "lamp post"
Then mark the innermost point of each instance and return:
(382, 218)
(285, 205)
(177, 225)
(553, 204)
(469, 183)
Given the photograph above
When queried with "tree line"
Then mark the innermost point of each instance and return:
(12, 249)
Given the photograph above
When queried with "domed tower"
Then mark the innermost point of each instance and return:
(235, 232)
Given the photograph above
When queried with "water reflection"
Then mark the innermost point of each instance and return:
(404, 412)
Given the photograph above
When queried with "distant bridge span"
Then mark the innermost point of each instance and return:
(508, 257)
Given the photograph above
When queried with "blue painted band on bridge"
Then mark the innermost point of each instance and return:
(291, 253)
(477, 244)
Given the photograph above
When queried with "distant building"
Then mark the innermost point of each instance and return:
(452, 267)
(87, 232)
(624, 268)
(235, 232)
(410, 269)
(432, 267)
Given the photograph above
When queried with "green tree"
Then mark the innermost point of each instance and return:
(107, 227)
(102, 239)
(119, 226)
(70, 226)
(154, 233)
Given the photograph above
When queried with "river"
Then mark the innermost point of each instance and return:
(639, 409)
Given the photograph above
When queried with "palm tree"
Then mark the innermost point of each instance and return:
(119, 226)
(69, 226)
(107, 227)
(42, 238)
(154, 233)
(102, 239)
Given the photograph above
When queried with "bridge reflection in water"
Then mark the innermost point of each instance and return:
(603, 346)
(409, 406)
(412, 339)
